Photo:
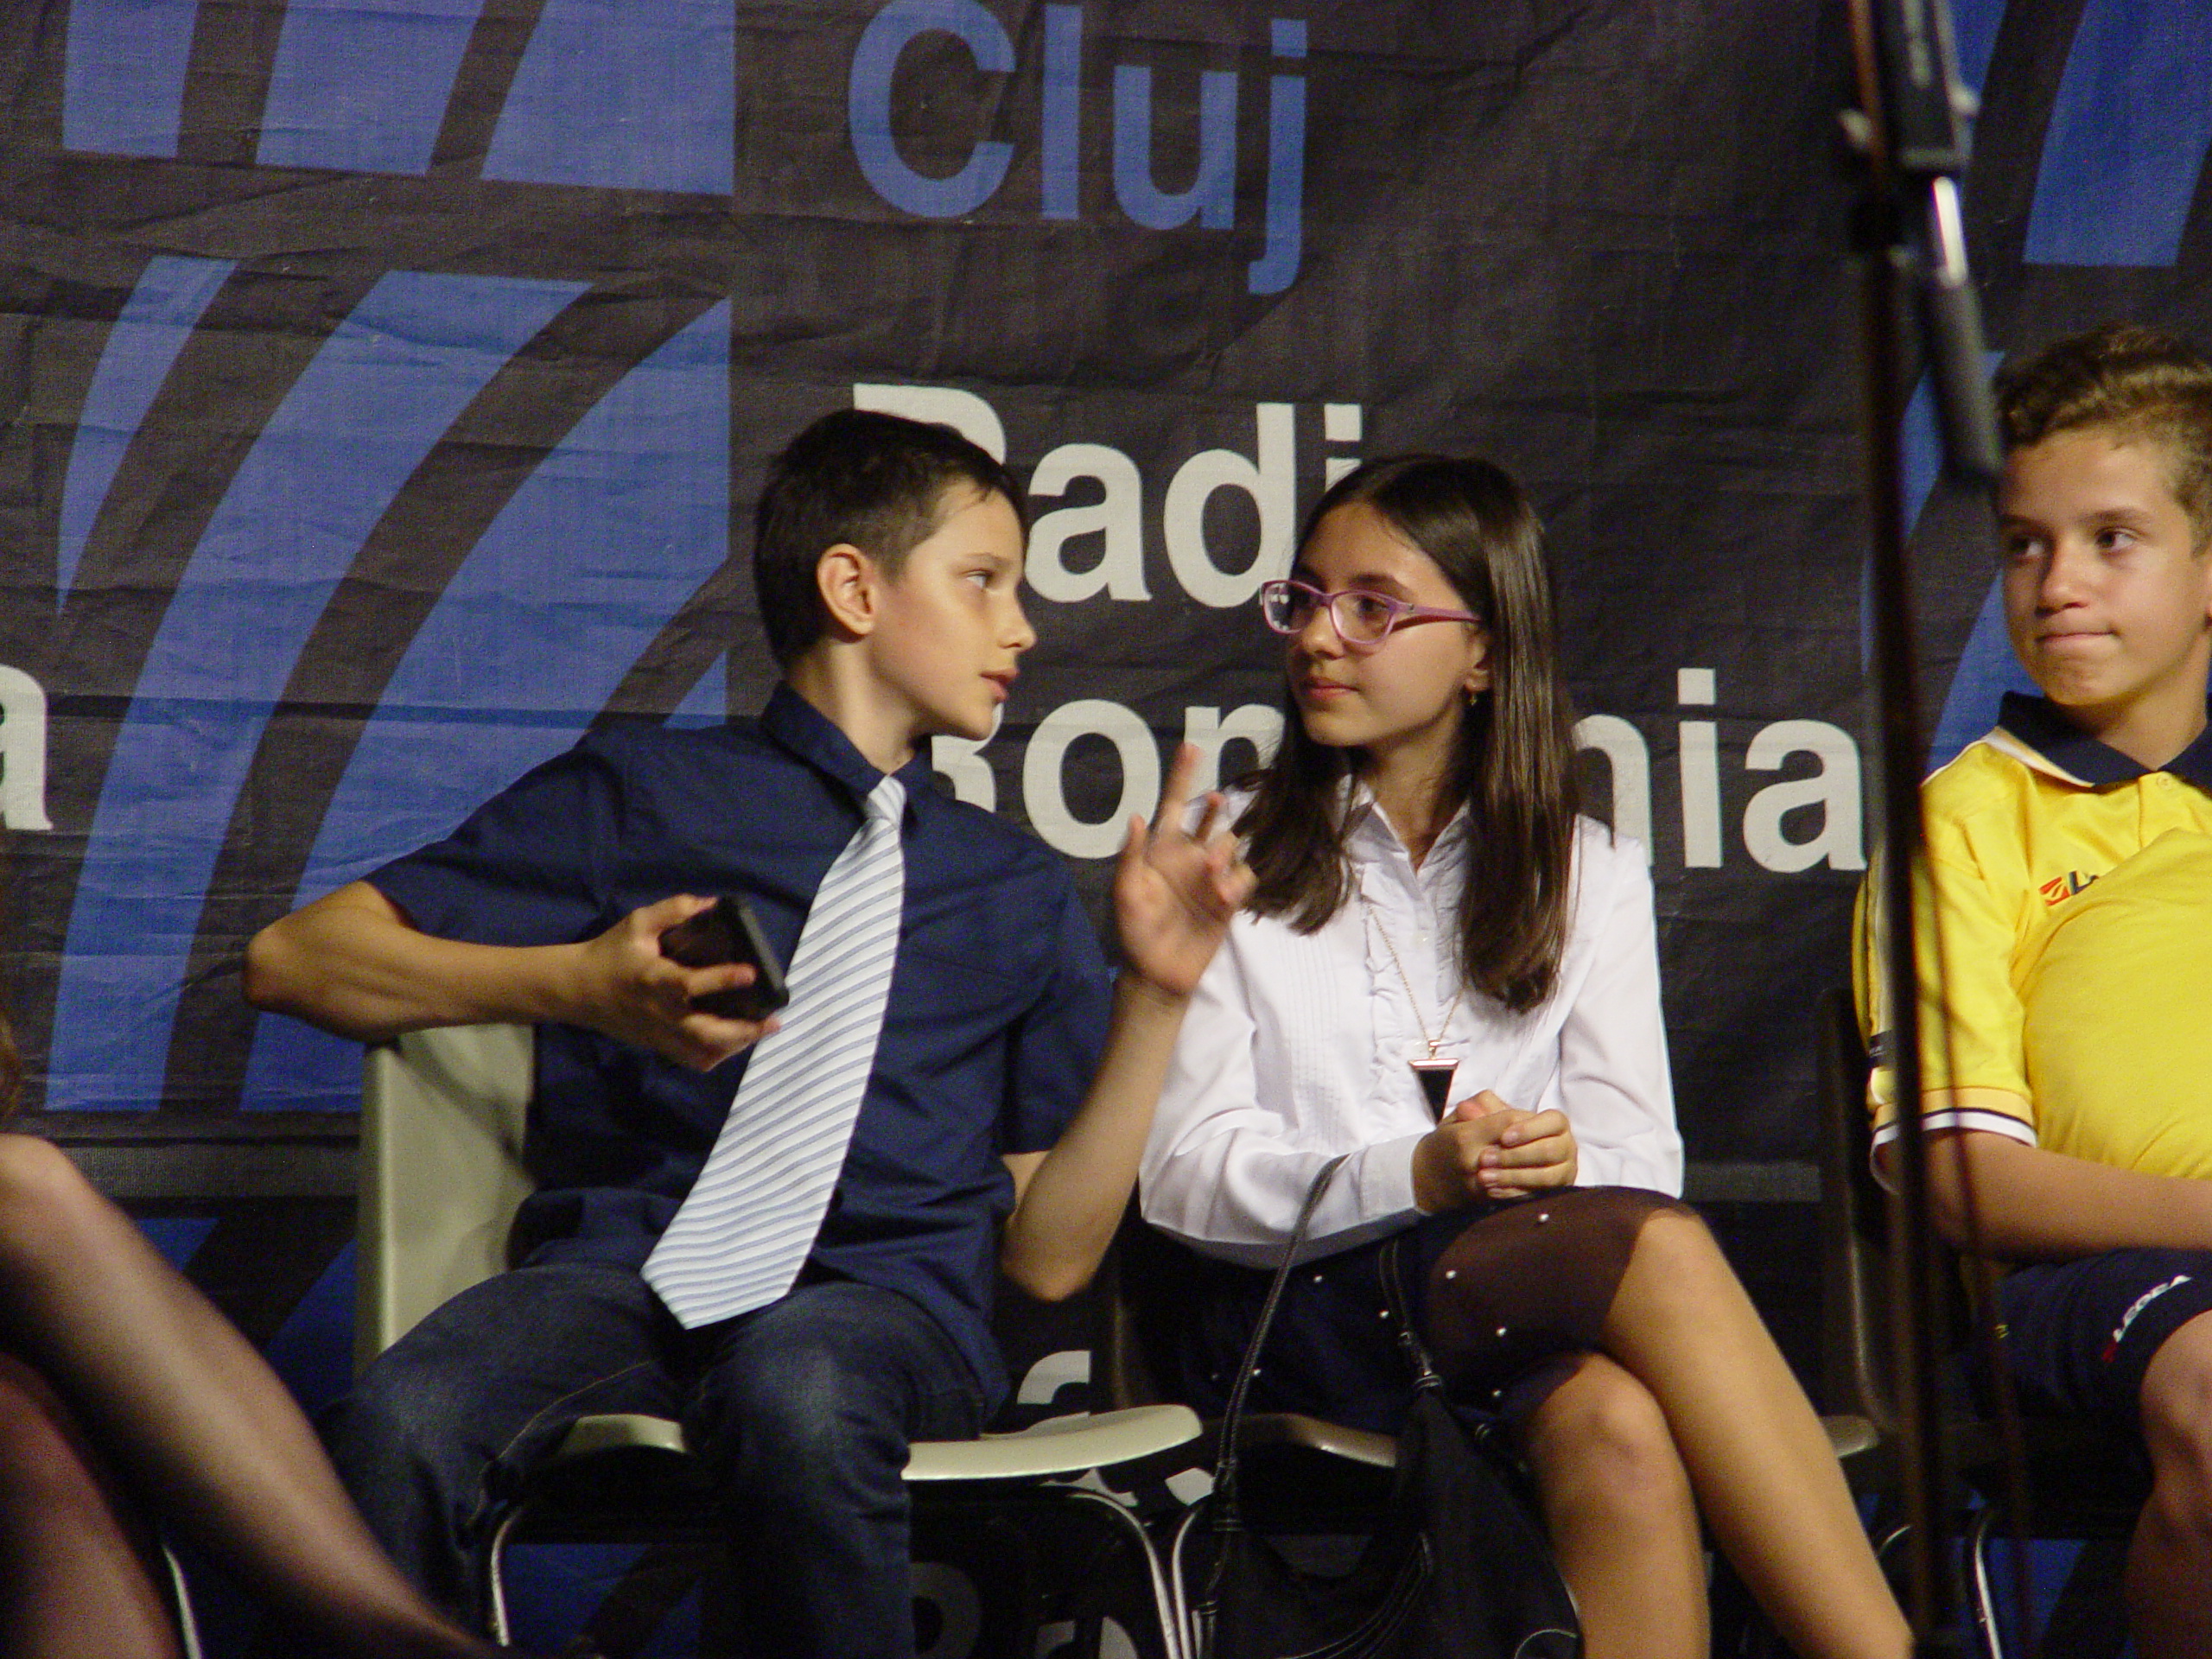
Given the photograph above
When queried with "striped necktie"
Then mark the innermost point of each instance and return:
(744, 1231)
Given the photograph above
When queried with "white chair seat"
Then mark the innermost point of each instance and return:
(1058, 1445)
(1070, 1446)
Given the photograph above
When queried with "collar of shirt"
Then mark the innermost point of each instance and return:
(1412, 961)
(809, 735)
(1370, 838)
(2036, 723)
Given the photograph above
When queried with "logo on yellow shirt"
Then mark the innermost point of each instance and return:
(2060, 888)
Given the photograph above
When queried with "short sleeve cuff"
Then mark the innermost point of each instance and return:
(1988, 1115)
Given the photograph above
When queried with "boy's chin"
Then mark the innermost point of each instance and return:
(968, 729)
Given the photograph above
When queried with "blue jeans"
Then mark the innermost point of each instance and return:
(804, 1408)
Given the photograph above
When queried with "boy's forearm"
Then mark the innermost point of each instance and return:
(352, 963)
(1075, 1198)
(2033, 1204)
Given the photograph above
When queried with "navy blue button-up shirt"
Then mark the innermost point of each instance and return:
(996, 1018)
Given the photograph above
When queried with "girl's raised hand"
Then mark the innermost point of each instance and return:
(1176, 888)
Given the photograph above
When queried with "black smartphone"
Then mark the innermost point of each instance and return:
(729, 932)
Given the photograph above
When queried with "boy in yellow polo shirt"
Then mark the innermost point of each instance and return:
(2066, 937)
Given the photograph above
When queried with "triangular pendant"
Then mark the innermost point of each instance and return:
(1436, 1083)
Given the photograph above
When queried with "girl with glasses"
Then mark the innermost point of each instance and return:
(1448, 973)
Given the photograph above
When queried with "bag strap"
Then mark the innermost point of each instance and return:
(1409, 1342)
(1224, 1472)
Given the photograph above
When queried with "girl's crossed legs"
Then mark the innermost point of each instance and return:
(1684, 1393)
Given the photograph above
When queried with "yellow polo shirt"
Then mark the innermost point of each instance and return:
(2065, 948)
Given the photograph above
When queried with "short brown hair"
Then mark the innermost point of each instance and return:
(877, 481)
(2141, 382)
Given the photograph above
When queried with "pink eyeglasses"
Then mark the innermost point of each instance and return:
(1363, 621)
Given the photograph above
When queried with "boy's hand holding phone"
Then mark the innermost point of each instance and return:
(728, 932)
(628, 985)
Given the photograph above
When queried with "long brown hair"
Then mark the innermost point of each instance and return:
(1513, 766)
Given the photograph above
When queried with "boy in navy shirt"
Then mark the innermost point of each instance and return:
(1002, 1118)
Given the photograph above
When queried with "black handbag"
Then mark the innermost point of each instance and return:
(1458, 1569)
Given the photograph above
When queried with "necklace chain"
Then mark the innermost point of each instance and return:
(1444, 1025)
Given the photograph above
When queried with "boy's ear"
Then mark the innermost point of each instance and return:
(847, 580)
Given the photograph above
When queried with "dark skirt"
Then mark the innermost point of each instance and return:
(1507, 1298)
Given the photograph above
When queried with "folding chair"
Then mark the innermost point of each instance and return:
(443, 1113)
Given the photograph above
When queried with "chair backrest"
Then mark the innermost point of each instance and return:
(1854, 1229)
(1860, 1331)
(442, 1115)
(1124, 1332)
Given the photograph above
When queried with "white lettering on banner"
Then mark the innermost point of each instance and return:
(1837, 842)
(23, 751)
(1272, 483)
(1701, 772)
(951, 1595)
(1113, 525)
(1117, 517)
(1044, 782)
(1268, 476)
(1042, 773)
(1628, 758)
(960, 760)
(1834, 789)
(963, 411)
(1840, 839)
(1206, 730)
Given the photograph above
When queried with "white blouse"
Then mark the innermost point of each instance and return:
(1296, 1047)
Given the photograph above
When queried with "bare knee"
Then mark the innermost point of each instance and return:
(43, 1204)
(1675, 1240)
(2176, 1402)
(1677, 1276)
(1601, 1441)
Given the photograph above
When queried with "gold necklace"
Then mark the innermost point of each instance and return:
(1432, 1071)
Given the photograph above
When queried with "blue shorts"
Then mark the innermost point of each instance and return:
(2079, 1335)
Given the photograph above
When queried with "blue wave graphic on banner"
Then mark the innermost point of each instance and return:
(359, 422)
(1987, 666)
(123, 79)
(1987, 670)
(1974, 24)
(156, 320)
(630, 94)
(613, 532)
(364, 87)
(2127, 137)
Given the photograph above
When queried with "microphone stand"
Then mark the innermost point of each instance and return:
(1911, 133)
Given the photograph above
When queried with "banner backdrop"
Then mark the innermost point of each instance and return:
(389, 383)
